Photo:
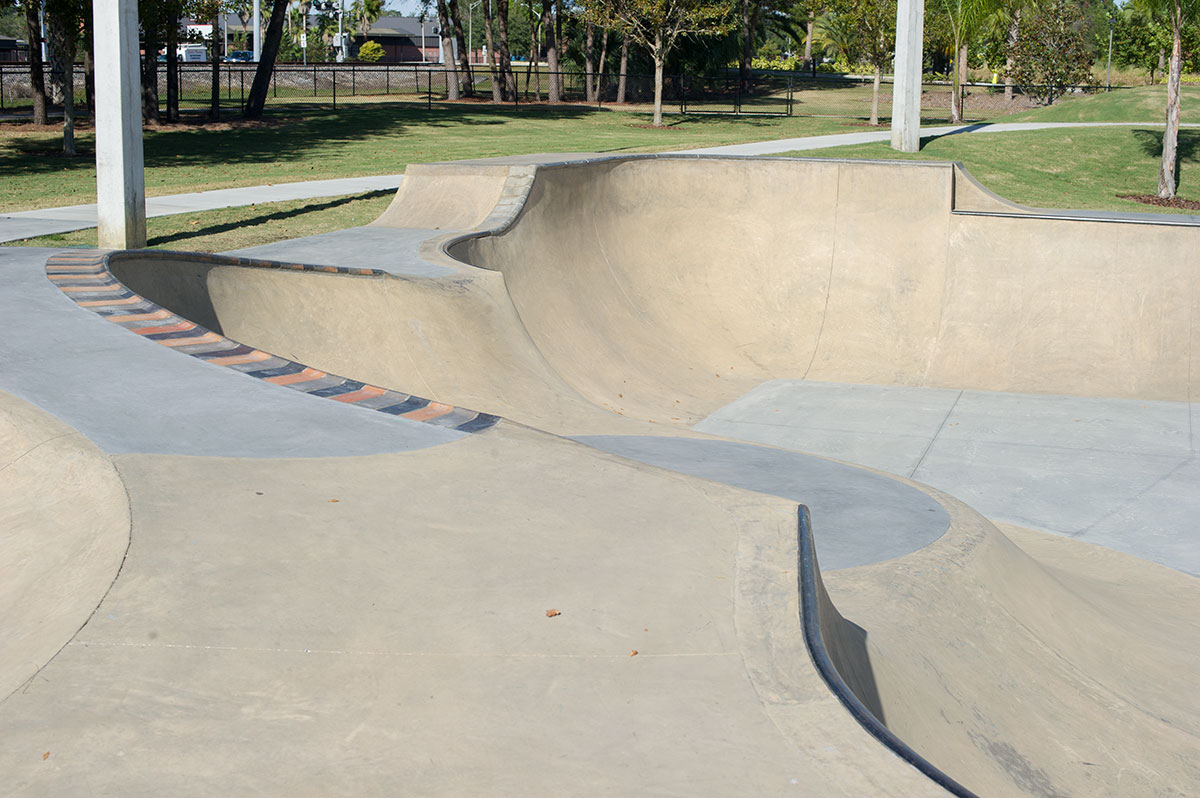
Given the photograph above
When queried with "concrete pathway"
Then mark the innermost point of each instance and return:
(846, 139)
(47, 221)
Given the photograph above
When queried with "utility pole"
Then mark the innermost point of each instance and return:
(120, 165)
(257, 32)
(1108, 79)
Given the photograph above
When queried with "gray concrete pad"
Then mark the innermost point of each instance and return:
(391, 249)
(860, 517)
(1119, 472)
(129, 394)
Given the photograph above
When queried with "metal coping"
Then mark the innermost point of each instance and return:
(808, 574)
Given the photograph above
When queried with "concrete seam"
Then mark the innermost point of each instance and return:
(933, 440)
(35, 447)
(829, 281)
(341, 652)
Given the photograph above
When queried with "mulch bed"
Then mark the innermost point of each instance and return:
(1150, 199)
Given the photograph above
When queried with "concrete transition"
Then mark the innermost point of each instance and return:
(556, 573)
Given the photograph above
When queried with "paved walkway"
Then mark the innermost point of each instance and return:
(47, 221)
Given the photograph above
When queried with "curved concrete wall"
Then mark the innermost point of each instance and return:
(695, 278)
(64, 529)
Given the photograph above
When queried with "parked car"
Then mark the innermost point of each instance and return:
(240, 56)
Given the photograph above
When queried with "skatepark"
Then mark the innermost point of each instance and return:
(582, 475)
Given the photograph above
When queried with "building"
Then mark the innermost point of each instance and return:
(13, 50)
(404, 39)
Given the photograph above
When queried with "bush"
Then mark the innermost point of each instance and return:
(370, 52)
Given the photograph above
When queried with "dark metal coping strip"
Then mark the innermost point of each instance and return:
(85, 278)
(811, 621)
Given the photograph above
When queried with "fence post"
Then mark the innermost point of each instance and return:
(275, 80)
(387, 80)
(333, 73)
(353, 82)
(1, 88)
(429, 90)
(242, 89)
(314, 80)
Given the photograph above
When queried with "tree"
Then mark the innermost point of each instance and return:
(65, 19)
(37, 78)
(873, 23)
(365, 13)
(658, 24)
(964, 17)
(266, 63)
(1177, 13)
(1050, 54)
(1140, 40)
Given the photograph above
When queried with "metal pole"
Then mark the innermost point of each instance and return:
(257, 32)
(341, 36)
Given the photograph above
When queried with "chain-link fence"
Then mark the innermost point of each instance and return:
(776, 94)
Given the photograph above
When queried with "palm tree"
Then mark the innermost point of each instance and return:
(966, 17)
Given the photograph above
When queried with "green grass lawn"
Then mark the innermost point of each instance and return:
(1064, 168)
(246, 226)
(1141, 104)
(314, 144)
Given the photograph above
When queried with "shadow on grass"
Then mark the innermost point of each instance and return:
(264, 218)
(1186, 148)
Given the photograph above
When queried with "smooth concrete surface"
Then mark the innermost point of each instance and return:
(347, 624)
(390, 249)
(898, 519)
(1119, 472)
(64, 529)
(100, 379)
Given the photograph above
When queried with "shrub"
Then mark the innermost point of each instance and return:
(370, 52)
(1050, 56)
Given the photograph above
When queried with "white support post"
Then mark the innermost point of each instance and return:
(120, 173)
(906, 85)
(257, 32)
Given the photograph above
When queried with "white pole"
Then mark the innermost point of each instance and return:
(120, 170)
(341, 36)
(906, 85)
(257, 32)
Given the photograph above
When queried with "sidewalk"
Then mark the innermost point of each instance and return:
(26, 224)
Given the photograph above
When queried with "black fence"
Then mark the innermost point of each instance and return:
(772, 94)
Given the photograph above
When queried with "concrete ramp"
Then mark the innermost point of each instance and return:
(664, 284)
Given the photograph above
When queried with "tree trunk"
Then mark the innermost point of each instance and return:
(747, 43)
(150, 71)
(1168, 174)
(658, 78)
(808, 37)
(505, 53)
(63, 34)
(173, 65)
(589, 66)
(622, 76)
(56, 59)
(875, 95)
(493, 58)
(214, 96)
(89, 77)
(955, 88)
(553, 90)
(464, 55)
(1014, 31)
(37, 76)
(257, 98)
(449, 70)
(600, 65)
(532, 65)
